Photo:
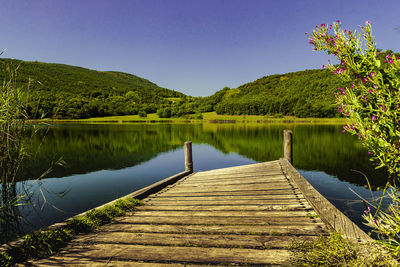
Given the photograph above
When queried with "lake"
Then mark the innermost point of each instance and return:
(104, 162)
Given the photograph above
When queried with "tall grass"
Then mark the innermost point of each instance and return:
(13, 117)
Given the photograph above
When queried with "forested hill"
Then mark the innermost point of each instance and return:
(67, 91)
(308, 93)
(63, 91)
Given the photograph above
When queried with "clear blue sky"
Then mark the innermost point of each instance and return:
(196, 47)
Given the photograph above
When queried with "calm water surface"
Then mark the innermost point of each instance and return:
(104, 162)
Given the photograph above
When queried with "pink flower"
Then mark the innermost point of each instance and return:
(338, 21)
(369, 91)
(367, 22)
(323, 66)
(373, 118)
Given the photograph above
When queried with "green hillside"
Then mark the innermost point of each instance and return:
(306, 93)
(69, 92)
(64, 91)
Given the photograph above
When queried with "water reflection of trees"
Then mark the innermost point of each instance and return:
(88, 148)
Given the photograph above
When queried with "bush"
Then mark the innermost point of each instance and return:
(371, 104)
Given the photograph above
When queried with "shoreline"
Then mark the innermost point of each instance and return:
(210, 117)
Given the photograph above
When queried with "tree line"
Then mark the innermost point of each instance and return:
(69, 92)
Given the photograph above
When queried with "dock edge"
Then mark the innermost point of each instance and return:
(333, 217)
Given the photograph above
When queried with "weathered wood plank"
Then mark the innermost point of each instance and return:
(218, 229)
(233, 183)
(279, 207)
(229, 202)
(282, 213)
(250, 179)
(98, 252)
(191, 240)
(237, 175)
(222, 220)
(233, 188)
(262, 197)
(78, 262)
(232, 193)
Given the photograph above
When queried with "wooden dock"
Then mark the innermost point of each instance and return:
(246, 215)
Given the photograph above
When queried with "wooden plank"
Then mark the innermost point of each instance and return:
(249, 182)
(179, 198)
(237, 175)
(191, 240)
(232, 193)
(267, 164)
(217, 229)
(224, 213)
(224, 207)
(229, 202)
(222, 220)
(229, 188)
(80, 261)
(161, 254)
(239, 179)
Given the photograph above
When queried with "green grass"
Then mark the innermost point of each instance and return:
(210, 116)
(44, 243)
(334, 250)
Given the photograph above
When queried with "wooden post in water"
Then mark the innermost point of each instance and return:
(188, 156)
(287, 145)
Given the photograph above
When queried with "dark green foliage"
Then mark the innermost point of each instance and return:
(44, 243)
(142, 114)
(164, 113)
(64, 91)
(306, 93)
(5, 259)
(127, 204)
(104, 215)
(81, 224)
